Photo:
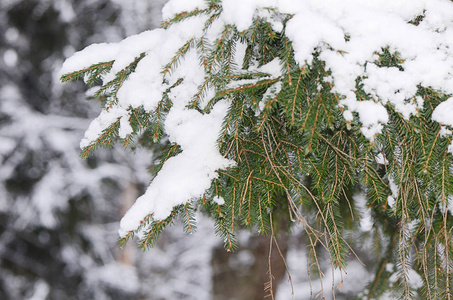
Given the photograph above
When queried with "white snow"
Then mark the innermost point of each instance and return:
(91, 55)
(67, 13)
(444, 112)
(380, 159)
(7, 144)
(444, 115)
(125, 128)
(105, 119)
(425, 51)
(445, 131)
(41, 290)
(366, 220)
(389, 267)
(144, 87)
(174, 7)
(273, 68)
(415, 280)
(270, 94)
(116, 275)
(371, 115)
(10, 58)
(347, 34)
(242, 17)
(219, 200)
(187, 175)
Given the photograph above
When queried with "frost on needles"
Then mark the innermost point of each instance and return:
(285, 107)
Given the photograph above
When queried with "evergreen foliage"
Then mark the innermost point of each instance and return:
(298, 159)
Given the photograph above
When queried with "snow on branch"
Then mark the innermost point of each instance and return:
(351, 37)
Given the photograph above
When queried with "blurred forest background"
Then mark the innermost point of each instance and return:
(59, 214)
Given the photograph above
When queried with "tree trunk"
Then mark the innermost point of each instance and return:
(243, 275)
(128, 197)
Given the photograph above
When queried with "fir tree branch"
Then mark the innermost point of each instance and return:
(95, 70)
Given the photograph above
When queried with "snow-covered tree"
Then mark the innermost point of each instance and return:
(56, 240)
(333, 115)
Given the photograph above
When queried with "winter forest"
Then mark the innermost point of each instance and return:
(226, 149)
